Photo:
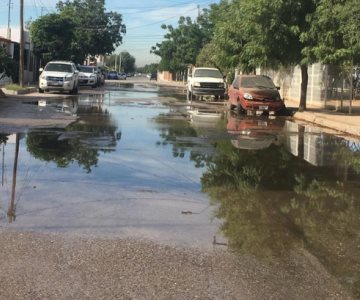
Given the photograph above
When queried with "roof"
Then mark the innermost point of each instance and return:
(2, 39)
(60, 62)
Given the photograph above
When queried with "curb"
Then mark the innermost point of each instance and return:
(28, 90)
(326, 121)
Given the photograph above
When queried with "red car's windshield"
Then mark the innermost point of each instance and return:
(257, 82)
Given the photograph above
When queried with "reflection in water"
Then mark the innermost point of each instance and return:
(80, 141)
(253, 133)
(12, 206)
(299, 194)
(290, 189)
(126, 190)
(279, 188)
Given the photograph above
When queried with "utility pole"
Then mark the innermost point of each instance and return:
(115, 67)
(8, 35)
(21, 56)
(120, 63)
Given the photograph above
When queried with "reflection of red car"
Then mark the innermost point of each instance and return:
(254, 93)
(253, 133)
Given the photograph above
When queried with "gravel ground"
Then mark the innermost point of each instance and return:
(54, 266)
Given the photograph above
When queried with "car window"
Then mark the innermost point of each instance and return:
(208, 73)
(58, 68)
(236, 82)
(257, 82)
(85, 69)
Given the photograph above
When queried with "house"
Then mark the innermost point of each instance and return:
(12, 45)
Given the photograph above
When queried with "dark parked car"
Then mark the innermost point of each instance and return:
(153, 76)
(112, 75)
(254, 93)
(122, 76)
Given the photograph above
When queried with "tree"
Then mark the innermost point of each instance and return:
(52, 36)
(182, 44)
(96, 31)
(224, 49)
(8, 67)
(152, 68)
(125, 61)
(334, 36)
(81, 28)
(264, 34)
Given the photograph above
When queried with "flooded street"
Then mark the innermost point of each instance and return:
(281, 198)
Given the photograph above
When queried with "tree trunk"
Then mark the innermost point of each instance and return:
(304, 84)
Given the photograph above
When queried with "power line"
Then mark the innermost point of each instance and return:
(158, 22)
(143, 9)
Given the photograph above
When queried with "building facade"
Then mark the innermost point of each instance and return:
(12, 44)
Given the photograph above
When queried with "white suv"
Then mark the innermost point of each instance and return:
(60, 76)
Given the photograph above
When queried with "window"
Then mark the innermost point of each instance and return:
(58, 67)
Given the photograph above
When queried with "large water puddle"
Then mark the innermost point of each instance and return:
(137, 168)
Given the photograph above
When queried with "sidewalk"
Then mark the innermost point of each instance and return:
(339, 121)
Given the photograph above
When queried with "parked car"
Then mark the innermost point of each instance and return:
(88, 76)
(205, 82)
(122, 76)
(254, 93)
(112, 75)
(59, 76)
(153, 76)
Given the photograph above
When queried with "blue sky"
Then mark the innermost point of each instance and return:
(142, 19)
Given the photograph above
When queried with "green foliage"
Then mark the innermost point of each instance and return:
(8, 66)
(15, 87)
(81, 28)
(52, 36)
(48, 147)
(272, 203)
(127, 61)
(96, 132)
(182, 44)
(151, 68)
(334, 36)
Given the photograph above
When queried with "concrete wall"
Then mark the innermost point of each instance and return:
(289, 80)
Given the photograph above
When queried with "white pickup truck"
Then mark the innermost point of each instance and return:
(205, 82)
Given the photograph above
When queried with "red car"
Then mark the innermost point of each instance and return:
(254, 93)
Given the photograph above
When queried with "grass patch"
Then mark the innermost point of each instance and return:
(15, 87)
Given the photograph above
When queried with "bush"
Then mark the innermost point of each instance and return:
(8, 66)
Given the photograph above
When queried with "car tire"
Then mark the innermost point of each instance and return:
(240, 110)
(283, 112)
(41, 91)
(188, 95)
(75, 90)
